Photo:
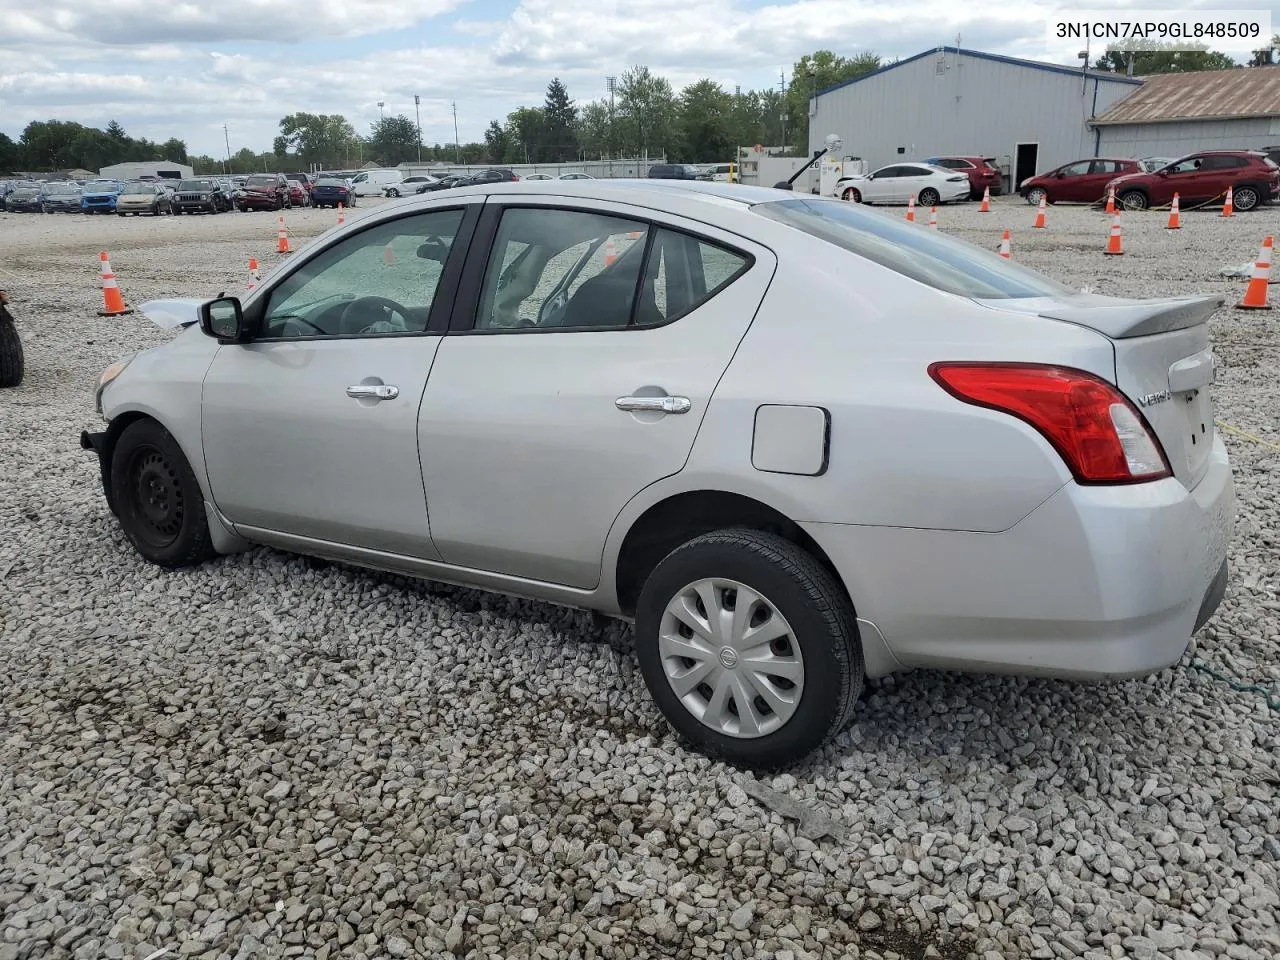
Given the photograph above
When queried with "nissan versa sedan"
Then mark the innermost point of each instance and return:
(797, 442)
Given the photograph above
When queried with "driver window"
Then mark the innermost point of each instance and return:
(561, 268)
(1076, 169)
(382, 281)
(1190, 165)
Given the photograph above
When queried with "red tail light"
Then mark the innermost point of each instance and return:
(515, 177)
(1095, 429)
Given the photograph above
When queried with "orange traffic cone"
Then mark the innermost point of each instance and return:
(635, 235)
(1111, 201)
(342, 216)
(986, 200)
(388, 255)
(610, 252)
(1228, 208)
(1255, 296)
(1174, 217)
(933, 217)
(254, 276)
(911, 209)
(1113, 243)
(112, 299)
(282, 239)
(1039, 224)
(1006, 248)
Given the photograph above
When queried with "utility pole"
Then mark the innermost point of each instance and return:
(226, 138)
(612, 84)
(418, 116)
(456, 145)
(782, 106)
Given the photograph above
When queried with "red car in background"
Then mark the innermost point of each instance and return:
(1254, 179)
(1080, 181)
(982, 172)
(299, 194)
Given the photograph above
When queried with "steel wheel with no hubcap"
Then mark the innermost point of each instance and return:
(731, 658)
(156, 497)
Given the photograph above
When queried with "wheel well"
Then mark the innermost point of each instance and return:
(674, 521)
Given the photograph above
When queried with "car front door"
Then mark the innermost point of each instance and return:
(586, 353)
(1070, 184)
(884, 186)
(1184, 178)
(309, 429)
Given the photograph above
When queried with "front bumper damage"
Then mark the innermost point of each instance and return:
(101, 444)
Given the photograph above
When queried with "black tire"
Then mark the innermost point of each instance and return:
(1245, 198)
(1033, 196)
(1133, 200)
(851, 195)
(11, 361)
(823, 626)
(157, 497)
(928, 197)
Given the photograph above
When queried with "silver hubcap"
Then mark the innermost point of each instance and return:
(731, 658)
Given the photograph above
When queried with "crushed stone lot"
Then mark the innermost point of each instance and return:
(272, 757)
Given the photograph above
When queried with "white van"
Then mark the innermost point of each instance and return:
(374, 182)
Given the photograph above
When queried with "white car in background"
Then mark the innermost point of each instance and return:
(899, 182)
(368, 183)
(410, 185)
(576, 175)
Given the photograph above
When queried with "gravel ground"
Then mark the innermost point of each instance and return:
(271, 757)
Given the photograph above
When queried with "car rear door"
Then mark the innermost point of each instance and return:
(1093, 185)
(588, 339)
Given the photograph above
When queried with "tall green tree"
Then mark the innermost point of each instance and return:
(393, 140)
(495, 142)
(593, 128)
(10, 155)
(645, 119)
(174, 149)
(811, 73)
(1159, 59)
(705, 119)
(326, 139)
(525, 135)
(559, 125)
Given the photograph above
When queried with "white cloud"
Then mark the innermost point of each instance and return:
(182, 69)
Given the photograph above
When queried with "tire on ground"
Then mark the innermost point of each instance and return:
(147, 463)
(11, 360)
(823, 626)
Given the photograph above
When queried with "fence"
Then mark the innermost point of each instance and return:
(600, 169)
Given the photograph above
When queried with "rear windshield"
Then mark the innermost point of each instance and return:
(329, 182)
(942, 262)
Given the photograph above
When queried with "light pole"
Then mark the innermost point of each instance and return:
(226, 138)
(456, 144)
(380, 104)
(611, 83)
(418, 116)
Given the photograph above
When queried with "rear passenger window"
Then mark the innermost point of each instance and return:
(683, 273)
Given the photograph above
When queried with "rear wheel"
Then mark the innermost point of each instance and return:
(1244, 198)
(157, 498)
(11, 363)
(928, 197)
(749, 647)
(1134, 200)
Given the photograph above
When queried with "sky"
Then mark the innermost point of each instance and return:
(177, 68)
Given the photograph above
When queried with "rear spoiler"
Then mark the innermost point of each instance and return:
(1122, 319)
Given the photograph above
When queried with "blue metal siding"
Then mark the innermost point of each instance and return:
(972, 104)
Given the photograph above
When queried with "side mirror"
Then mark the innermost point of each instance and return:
(1162, 173)
(223, 319)
(1060, 175)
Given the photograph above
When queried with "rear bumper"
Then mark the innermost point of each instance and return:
(1097, 582)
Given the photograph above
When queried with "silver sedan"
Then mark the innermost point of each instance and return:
(797, 442)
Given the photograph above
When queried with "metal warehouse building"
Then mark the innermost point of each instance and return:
(1031, 116)
(148, 168)
(1174, 114)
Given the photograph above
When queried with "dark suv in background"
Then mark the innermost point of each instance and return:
(670, 171)
(200, 195)
(1254, 179)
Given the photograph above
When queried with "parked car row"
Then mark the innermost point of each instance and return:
(1252, 175)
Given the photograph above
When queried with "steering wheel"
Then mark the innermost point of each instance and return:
(301, 321)
(433, 248)
(553, 308)
(373, 303)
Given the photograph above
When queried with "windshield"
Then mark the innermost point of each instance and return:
(261, 182)
(196, 185)
(25, 192)
(101, 186)
(942, 262)
(57, 188)
(141, 188)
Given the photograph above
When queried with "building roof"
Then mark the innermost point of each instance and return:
(1202, 95)
(995, 58)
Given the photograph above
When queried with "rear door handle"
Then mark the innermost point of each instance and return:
(657, 404)
(373, 391)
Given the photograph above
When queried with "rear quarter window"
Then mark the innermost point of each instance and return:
(942, 262)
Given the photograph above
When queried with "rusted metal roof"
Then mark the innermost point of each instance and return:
(1204, 95)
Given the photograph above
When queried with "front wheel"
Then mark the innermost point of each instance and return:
(749, 647)
(852, 195)
(157, 498)
(11, 362)
(1245, 198)
(928, 197)
(1134, 200)
(1035, 195)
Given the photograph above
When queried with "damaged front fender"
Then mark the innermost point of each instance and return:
(169, 314)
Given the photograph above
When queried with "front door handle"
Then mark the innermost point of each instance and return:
(657, 404)
(373, 391)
